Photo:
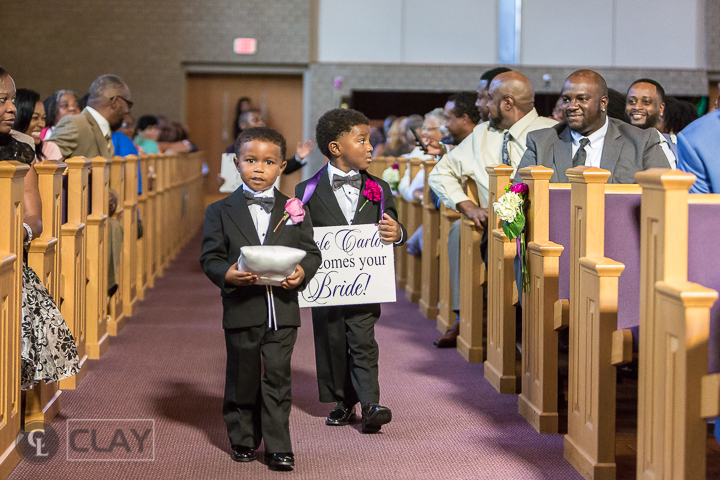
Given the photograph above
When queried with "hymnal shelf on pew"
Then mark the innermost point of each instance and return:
(357, 268)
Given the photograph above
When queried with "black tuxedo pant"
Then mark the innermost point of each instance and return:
(257, 408)
(346, 353)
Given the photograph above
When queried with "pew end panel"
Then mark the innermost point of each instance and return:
(414, 218)
(590, 443)
(562, 314)
(472, 284)
(429, 296)
(446, 317)
(73, 263)
(622, 342)
(546, 204)
(12, 175)
(130, 252)
(42, 402)
(97, 254)
(501, 330)
(401, 256)
(114, 246)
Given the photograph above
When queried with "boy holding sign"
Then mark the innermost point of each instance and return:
(260, 322)
(343, 193)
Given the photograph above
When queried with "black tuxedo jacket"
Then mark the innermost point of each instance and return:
(228, 227)
(626, 151)
(326, 211)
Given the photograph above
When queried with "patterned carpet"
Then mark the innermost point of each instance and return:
(168, 365)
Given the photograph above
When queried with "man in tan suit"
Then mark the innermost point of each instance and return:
(88, 133)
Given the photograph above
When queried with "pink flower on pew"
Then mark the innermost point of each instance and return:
(372, 192)
(395, 166)
(520, 188)
(293, 210)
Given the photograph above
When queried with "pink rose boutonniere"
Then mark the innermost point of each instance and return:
(293, 210)
(372, 192)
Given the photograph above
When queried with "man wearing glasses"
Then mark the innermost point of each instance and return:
(88, 133)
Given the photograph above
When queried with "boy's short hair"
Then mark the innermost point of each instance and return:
(146, 121)
(334, 123)
(262, 134)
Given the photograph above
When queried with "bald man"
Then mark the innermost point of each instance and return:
(589, 137)
(512, 115)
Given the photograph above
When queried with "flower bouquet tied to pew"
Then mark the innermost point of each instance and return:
(509, 208)
(392, 176)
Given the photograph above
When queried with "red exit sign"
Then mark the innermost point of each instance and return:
(245, 46)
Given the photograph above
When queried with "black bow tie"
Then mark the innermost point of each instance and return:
(266, 203)
(352, 180)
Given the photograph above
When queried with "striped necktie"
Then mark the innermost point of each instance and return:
(110, 146)
(505, 153)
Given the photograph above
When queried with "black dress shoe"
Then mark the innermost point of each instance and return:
(340, 415)
(243, 454)
(282, 461)
(374, 417)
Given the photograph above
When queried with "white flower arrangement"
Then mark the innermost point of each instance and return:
(392, 176)
(508, 206)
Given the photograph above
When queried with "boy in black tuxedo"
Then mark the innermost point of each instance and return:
(346, 353)
(257, 409)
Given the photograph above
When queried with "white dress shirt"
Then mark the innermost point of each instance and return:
(667, 150)
(347, 196)
(593, 150)
(102, 123)
(260, 217)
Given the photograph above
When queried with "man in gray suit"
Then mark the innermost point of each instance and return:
(588, 137)
(87, 134)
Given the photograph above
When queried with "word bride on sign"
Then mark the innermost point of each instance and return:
(356, 268)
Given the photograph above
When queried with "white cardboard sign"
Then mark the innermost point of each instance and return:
(356, 268)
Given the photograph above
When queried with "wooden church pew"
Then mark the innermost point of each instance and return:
(42, 402)
(130, 240)
(12, 175)
(430, 289)
(115, 310)
(500, 365)
(472, 282)
(150, 243)
(401, 252)
(547, 236)
(141, 244)
(603, 295)
(413, 219)
(96, 268)
(680, 321)
(73, 262)
(445, 316)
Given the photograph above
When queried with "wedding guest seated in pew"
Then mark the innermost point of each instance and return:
(397, 142)
(678, 115)
(698, 147)
(589, 137)
(511, 109)
(89, 133)
(433, 132)
(30, 120)
(58, 105)
(645, 107)
(48, 352)
(147, 133)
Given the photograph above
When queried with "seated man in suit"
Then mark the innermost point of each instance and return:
(512, 115)
(88, 134)
(645, 108)
(698, 145)
(589, 137)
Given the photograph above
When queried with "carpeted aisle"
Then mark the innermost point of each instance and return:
(168, 365)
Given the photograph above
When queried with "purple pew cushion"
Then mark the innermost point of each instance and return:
(704, 266)
(560, 234)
